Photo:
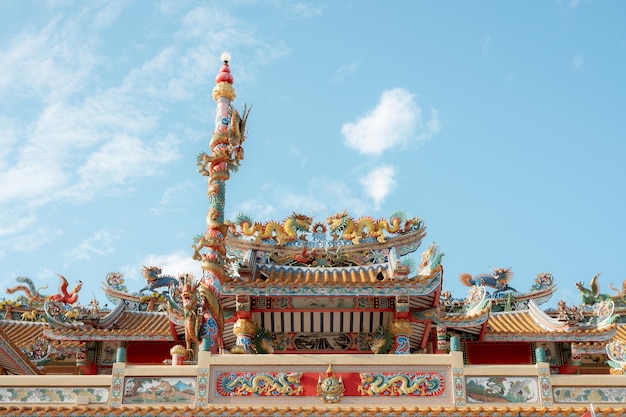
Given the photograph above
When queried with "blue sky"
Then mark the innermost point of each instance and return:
(502, 125)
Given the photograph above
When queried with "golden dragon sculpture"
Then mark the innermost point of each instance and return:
(292, 228)
(343, 226)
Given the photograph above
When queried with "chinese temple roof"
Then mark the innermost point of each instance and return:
(12, 359)
(131, 325)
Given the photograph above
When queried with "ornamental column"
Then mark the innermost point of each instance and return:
(210, 248)
(244, 330)
(401, 330)
(442, 339)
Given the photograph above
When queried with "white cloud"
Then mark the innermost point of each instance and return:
(378, 183)
(300, 10)
(257, 209)
(173, 264)
(396, 121)
(33, 238)
(486, 43)
(72, 134)
(52, 62)
(174, 197)
(108, 13)
(101, 243)
(345, 71)
(122, 159)
(578, 63)
(8, 139)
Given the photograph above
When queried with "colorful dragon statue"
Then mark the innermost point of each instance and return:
(155, 280)
(192, 319)
(343, 226)
(32, 295)
(263, 341)
(422, 384)
(228, 153)
(63, 295)
(292, 228)
(499, 280)
(381, 341)
(200, 312)
(592, 295)
(265, 384)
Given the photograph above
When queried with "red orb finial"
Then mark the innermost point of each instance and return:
(224, 74)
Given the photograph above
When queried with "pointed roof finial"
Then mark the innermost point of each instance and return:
(224, 74)
(329, 371)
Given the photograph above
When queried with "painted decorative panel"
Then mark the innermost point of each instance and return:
(396, 385)
(423, 384)
(459, 387)
(150, 390)
(264, 384)
(545, 387)
(108, 349)
(53, 394)
(501, 389)
(586, 395)
(203, 386)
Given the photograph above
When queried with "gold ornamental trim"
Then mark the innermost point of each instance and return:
(224, 89)
(401, 326)
(244, 326)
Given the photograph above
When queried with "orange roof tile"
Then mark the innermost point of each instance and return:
(521, 325)
(132, 325)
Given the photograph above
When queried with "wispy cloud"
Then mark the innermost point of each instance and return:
(172, 264)
(345, 71)
(379, 183)
(93, 136)
(50, 63)
(120, 160)
(174, 197)
(578, 63)
(395, 121)
(320, 197)
(486, 43)
(101, 243)
(300, 9)
(573, 3)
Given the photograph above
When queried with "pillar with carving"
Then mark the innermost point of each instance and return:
(401, 331)
(225, 155)
(244, 330)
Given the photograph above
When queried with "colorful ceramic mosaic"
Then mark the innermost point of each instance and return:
(116, 387)
(586, 395)
(264, 384)
(545, 386)
(53, 394)
(501, 389)
(427, 384)
(151, 390)
(459, 386)
(203, 386)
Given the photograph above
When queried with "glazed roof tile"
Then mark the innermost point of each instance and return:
(522, 325)
(21, 333)
(131, 325)
(317, 280)
(12, 359)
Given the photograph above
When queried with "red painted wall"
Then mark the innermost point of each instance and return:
(509, 353)
(148, 352)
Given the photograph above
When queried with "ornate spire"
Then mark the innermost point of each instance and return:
(224, 74)
(225, 156)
